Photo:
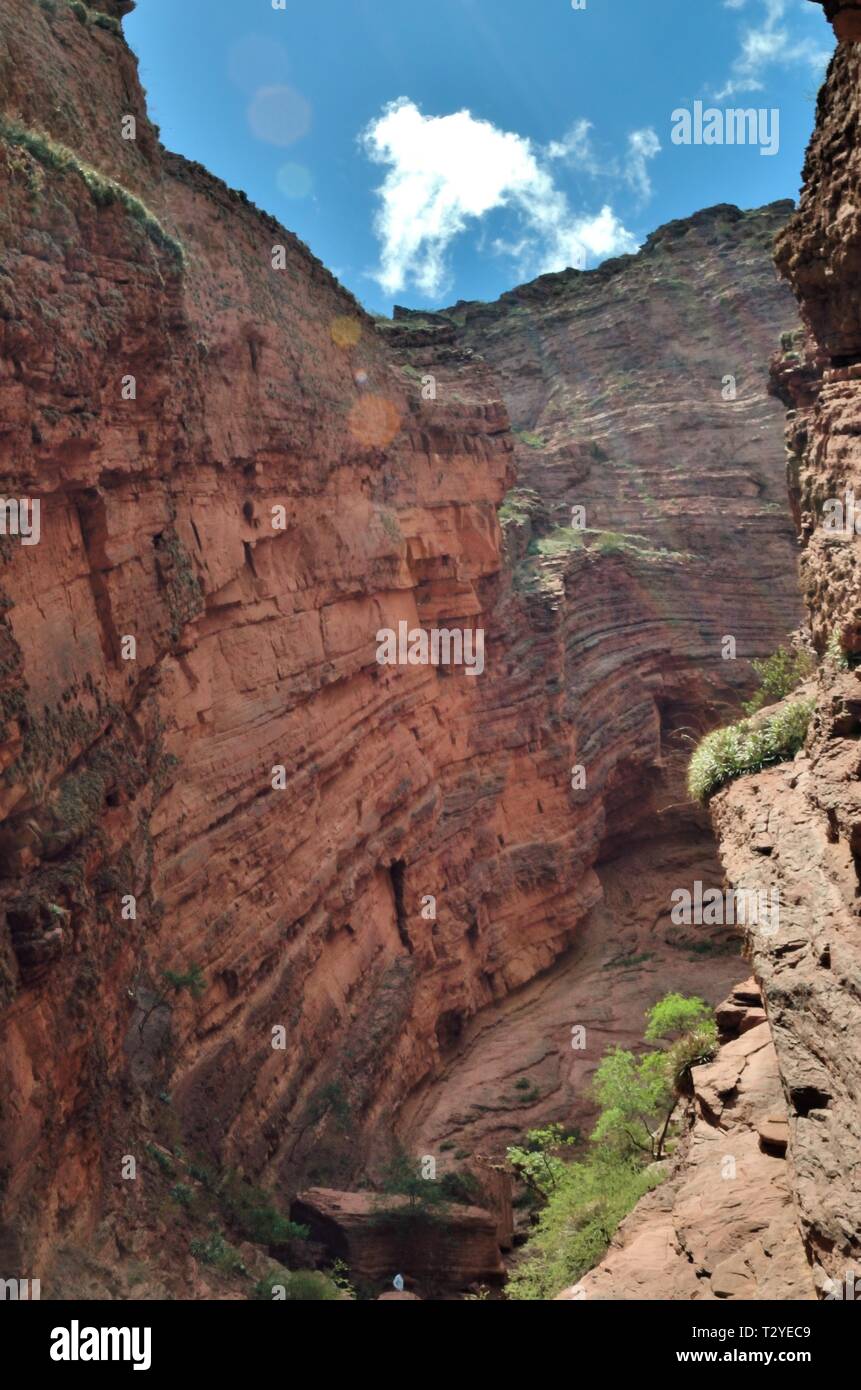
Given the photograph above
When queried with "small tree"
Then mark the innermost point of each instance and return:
(634, 1094)
(639, 1095)
(539, 1163)
(677, 1017)
(425, 1197)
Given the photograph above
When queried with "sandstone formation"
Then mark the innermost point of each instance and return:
(615, 381)
(799, 827)
(224, 822)
(378, 1239)
(723, 1225)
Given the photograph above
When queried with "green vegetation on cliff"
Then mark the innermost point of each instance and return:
(727, 753)
(104, 191)
(779, 675)
(585, 1200)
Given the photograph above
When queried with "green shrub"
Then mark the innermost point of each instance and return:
(538, 1163)
(519, 505)
(182, 1194)
(586, 1200)
(216, 1251)
(192, 980)
(745, 747)
(689, 1026)
(676, 1014)
(577, 1225)
(779, 674)
(636, 1095)
(85, 15)
(339, 1273)
(104, 191)
(563, 540)
(162, 1159)
(256, 1216)
(834, 652)
(300, 1286)
(420, 1201)
(610, 543)
(533, 440)
(464, 1189)
(106, 21)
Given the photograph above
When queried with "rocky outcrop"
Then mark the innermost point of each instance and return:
(845, 15)
(794, 829)
(380, 1238)
(798, 828)
(265, 494)
(723, 1224)
(258, 888)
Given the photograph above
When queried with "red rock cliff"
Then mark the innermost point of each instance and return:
(263, 393)
(800, 826)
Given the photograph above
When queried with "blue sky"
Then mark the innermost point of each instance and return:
(434, 150)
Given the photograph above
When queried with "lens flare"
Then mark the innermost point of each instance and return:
(279, 115)
(346, 331)
(374, 421)
(294, 180)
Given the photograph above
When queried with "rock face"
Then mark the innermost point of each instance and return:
(615, 381)
(257, 887)
(378, 1239)
(845, 15)
(723, 1224)
(799, 827)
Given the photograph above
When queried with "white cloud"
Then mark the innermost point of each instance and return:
(445, 173)
(767, 42)
(578, 153)
(643, 145)
(576, 148)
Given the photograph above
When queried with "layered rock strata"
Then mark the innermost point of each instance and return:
(255, 885)
(795, 829)
(798, 828)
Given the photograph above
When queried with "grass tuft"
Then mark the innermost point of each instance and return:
(104, 191)
(728, 753)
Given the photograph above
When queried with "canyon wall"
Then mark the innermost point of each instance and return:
(799, 827)
(637, 395)
(795, 828)
(222, 817)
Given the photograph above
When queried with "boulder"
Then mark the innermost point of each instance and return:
(378, 1239)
